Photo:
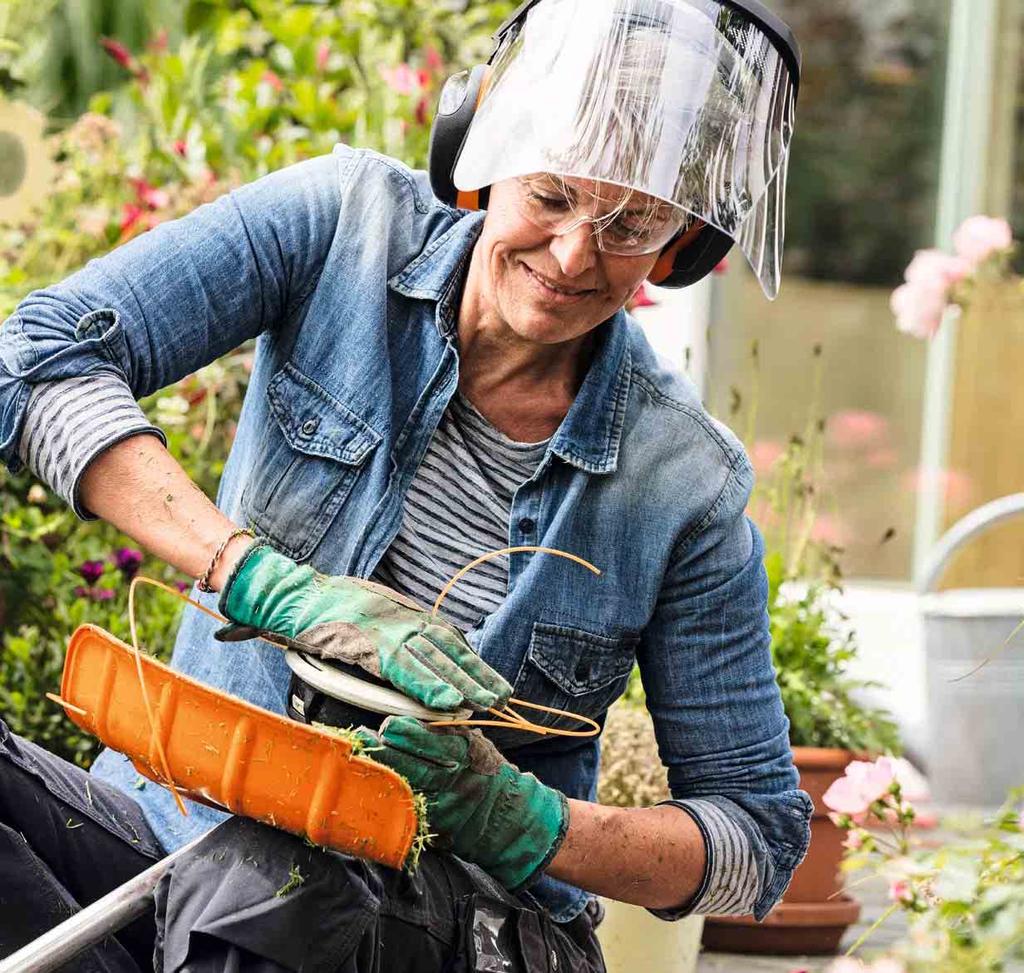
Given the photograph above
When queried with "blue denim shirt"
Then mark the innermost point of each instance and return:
(348, 273)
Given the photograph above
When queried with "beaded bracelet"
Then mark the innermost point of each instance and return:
(204, 581)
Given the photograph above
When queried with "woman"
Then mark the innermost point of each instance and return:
(430, 384)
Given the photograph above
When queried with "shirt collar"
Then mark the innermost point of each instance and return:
(590, 435)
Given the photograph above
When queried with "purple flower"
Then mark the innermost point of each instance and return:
(183, 586)
(128, 560)
(95, 594)
(91, 571)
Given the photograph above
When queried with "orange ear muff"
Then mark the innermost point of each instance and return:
(666, 262)
(470, 199)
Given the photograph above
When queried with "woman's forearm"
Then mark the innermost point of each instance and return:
(137, 486)
(653, 857)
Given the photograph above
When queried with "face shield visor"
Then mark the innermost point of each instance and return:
(686, 101)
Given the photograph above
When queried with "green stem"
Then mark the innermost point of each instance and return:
(867, 932)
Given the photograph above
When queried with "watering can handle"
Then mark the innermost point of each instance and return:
(964, 530)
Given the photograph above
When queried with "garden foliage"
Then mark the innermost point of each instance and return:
(230, 91)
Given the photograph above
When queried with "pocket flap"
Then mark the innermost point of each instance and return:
(578, 661)
(315, 422)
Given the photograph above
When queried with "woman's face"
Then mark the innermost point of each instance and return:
(552, 288)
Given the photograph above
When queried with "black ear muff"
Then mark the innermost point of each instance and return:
(684, 263)
(455, 110)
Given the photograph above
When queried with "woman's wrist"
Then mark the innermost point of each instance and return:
(223, 561)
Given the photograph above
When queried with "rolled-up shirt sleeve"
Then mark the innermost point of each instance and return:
(718, 717)
(157, 309)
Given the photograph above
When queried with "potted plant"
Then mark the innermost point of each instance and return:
(829, 727)
(632, 775)
(962, 900)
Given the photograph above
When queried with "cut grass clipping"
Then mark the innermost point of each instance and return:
(360, 748)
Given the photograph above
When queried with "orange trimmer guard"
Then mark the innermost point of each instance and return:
(226, 752)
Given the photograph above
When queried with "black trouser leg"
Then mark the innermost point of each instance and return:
(65, 841)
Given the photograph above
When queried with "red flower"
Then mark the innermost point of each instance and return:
(130, 215)
(273, 80)
(125, 58)
(722, 266)
(433, 59)
(421, 111)
(118, 52)
(179, 147)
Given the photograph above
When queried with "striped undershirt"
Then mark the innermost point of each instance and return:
(457, 507)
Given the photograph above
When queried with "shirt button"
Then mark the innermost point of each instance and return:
(527, 525)
(309, 427)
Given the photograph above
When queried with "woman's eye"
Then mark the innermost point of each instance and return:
(551, 202)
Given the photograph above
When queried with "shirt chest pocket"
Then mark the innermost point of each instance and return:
(572, 669)
(306, 464)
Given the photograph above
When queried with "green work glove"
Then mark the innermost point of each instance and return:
(479, 805)
(361, 623)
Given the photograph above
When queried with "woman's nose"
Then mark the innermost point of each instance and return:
(575, 251)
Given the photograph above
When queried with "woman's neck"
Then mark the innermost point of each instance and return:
(523, 388)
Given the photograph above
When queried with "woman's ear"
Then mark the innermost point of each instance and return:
(667, 260)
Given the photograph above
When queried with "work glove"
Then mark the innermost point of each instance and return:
(479, 806)
(358, 622)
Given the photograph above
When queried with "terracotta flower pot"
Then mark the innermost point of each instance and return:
(812, 916)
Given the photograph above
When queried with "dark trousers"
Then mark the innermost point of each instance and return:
(251, 898)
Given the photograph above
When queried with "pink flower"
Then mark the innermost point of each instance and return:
(918, 309)
(936, 270)
(957, 487)
(273, 79)
(857, 429)
(179, 147)
(722, 267)
(829, 530)
(149, 195)
(764, 454)
(859, 788)
(159, 43)
(855, 839)
(405, 80)
(900, 891)
(130, 215)
(882, 459)
(323, 52)
(981, 236)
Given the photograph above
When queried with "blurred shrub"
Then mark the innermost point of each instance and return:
(251, 86)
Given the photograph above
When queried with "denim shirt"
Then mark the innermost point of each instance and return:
(348, 273)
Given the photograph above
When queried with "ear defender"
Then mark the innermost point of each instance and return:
(456, 107)
(690, 257)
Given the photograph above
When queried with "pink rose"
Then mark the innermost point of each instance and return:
(859, 788)
(918, 309)
(981, 236)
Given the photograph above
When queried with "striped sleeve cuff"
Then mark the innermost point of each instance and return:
(68, 423)
(732, 876)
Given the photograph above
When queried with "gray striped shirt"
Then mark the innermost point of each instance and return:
(456, 509)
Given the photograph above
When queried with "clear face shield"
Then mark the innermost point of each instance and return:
(651, 113)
